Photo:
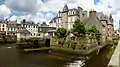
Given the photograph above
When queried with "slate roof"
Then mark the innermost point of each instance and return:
(65, 8)
(13, 24)
(30, 23)
(53, 20)
(93, 21)
(3, 21)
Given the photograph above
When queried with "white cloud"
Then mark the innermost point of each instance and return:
(31, 6)
(36, 6)
(4, 11)
(56, 5)
(38, 17)
(110, 6)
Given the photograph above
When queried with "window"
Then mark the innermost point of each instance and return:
(34, 26)
(69, 13)
(83, 15)
(11, 29)
(25, 34)
(14, 29)
(2, 29)
(3, 25)
(24, 25)
(60, 14)
(58, 20)
(73, 12)
(34, 34)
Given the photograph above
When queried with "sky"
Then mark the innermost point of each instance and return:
(44, 10)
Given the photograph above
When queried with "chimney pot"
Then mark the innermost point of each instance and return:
(92, 13)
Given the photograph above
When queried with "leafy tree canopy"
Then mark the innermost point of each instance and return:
(61, 32)
(92, 29)
(78, 27)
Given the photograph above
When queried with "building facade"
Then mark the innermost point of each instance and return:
(103, 23)
(12, 27)
(66, 17)
(44, 28)
(3, 27)
(31, 27)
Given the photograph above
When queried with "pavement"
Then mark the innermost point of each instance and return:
(115, 59)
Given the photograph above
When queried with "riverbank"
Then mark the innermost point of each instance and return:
(76, 52)
(67, 50)
(37, 49)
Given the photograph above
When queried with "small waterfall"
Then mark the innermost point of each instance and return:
(78, 63)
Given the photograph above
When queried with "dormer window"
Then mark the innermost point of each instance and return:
(83, 15)
(59, 14)
(73, 12)
(69, 13)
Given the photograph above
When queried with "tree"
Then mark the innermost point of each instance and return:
(61, 32)
(78, 27)
(92, 29)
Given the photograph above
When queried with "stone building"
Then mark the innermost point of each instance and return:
(3, 27)
(12, 27)
(23, 33)
(44, 28)
(103, 23)
(31, 27)
(66, 17)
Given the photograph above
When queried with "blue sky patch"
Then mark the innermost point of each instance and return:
(2, 2)
(44, 1)
(96, 1)
(18, 13)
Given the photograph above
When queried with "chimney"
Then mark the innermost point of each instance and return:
(84, 14)
(92, 13)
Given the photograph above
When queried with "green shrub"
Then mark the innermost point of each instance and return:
(73, 45)
(29, 43)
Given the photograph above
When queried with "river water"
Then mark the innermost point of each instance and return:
(11, 57)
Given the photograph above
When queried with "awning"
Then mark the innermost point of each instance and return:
(51, 30)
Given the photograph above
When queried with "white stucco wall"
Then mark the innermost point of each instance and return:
(22, 35)
(52, 25)
(33, 30)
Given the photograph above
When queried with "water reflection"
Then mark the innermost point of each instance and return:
(78, 63)
(11, 57)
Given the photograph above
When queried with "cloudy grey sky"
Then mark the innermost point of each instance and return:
(45, 10)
